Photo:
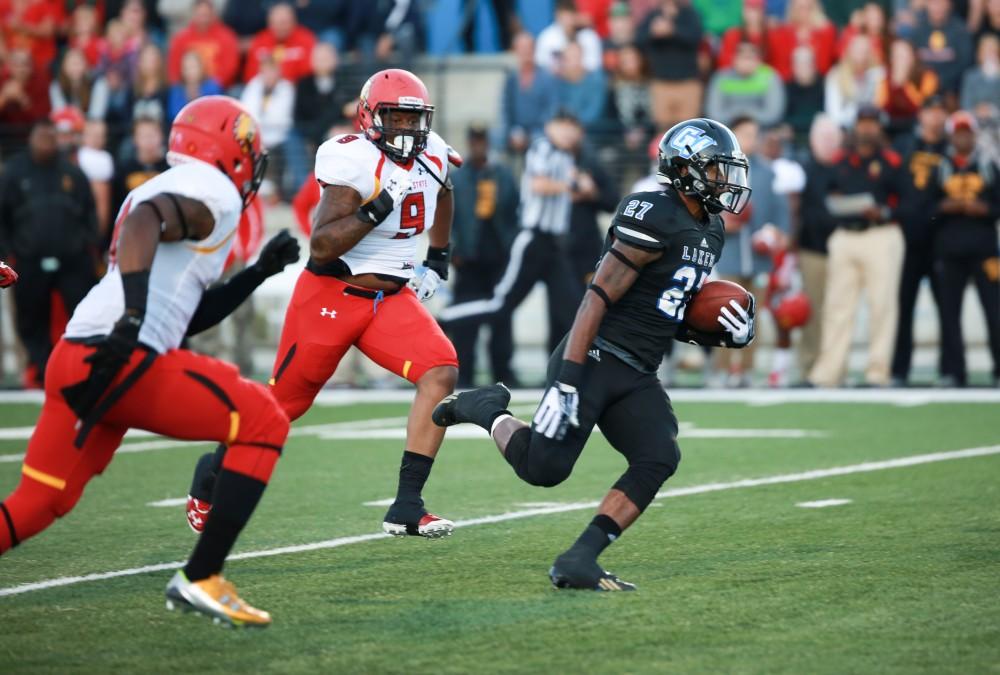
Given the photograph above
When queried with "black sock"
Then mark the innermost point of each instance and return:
(598, 535)
(205, 474)
(236, 496)
(413, 473)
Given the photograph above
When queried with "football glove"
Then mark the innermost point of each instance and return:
(738, 323)
(8, 277)
(558, 411)
(282, 249)
(111, 355)
(389, 197)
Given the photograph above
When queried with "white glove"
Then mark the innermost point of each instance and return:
(398, 185)
(425, 283)
(738, 323)
(557, 411)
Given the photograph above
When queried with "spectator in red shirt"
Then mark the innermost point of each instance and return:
(906, 85)
(31, 25)
(85, 34)
(596, 14)
(752, 29)
(24, 99)
(214, 41)
(807, 25)
(289, 44)
(869, 20)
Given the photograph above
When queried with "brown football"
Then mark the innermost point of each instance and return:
(703, 310)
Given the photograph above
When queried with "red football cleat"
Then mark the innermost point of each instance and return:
(197, 514)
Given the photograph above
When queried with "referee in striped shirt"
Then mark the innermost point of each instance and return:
(539, 252)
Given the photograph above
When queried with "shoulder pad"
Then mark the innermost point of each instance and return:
(351, 160)
(640, 219)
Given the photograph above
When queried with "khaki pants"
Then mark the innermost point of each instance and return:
(812, 266)
(869, 261)
(674, 102)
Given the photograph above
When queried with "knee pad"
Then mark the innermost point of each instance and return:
(646, 473)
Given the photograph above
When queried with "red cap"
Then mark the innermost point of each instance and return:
(68, 118)
(961, 119)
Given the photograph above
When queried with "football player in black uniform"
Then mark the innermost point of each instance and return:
(659, 251)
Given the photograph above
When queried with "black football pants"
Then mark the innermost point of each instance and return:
(632, 411)
(474, 281)
(953, 275)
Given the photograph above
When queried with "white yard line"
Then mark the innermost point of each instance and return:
(816, 474)
(823, 503)
(388, 501)
(173, 501)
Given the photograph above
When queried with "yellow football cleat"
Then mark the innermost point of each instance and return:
(214, 597)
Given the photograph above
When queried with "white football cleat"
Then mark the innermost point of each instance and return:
(430, 526)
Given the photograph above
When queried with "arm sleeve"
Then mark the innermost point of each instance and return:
(220, 301)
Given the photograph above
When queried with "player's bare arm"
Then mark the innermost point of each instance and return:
(612, 280)
(336, 227)
(165, 217)
(440, 234)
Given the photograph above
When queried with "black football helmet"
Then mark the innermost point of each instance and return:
(698, 144)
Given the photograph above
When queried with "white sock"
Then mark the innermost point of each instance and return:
(498, 420)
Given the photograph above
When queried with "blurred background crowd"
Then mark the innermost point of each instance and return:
(872, 128)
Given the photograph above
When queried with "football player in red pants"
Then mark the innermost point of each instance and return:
(379, 190)
(120, 365)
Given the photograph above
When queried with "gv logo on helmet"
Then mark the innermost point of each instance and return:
(690, 141)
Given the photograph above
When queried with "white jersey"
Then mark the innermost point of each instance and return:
(181, 271)
(354, 161)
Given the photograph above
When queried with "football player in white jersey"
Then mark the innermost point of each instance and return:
(362, 286)
(120, 364)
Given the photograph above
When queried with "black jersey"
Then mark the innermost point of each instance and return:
(640, 325)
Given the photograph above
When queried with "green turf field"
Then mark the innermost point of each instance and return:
(733, 577)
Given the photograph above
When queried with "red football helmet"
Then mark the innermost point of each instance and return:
(220, 131)
(395, 89)
(792, 311)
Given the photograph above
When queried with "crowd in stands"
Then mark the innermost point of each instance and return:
(111, 74)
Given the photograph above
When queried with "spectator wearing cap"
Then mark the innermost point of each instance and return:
(921, 152)
(805, 25)
(211, 39)
(285, 42)
(853, 82)
(944, 44)
(24, 99)
(48, 226)
(194, 83)
(965, 245)
(812, 226)
(75, 86)
(804, 94)
(528, 99)
(982, 83)
(94, 161)
(753, 28)
(750, 88)
(567, 28)
(865, 255)
(539, 251)
(738, 262)
(906, 86)
(486, 202)
(670, 36)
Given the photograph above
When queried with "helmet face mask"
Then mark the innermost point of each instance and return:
(386, 94)
(703, 159)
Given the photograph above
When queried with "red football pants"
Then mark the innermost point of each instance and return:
(325, 318)
(183, 395)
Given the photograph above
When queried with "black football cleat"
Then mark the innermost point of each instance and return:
(478, 406)
(577, 572)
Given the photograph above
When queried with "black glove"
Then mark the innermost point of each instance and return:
(111, 355)
(438, 259)
(280, 250)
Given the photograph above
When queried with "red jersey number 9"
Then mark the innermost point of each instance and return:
(411, 217)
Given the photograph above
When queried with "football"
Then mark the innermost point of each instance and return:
(703, 310)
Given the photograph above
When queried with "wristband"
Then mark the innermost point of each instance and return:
(571, 373)
(135, 286)
(438, 259)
